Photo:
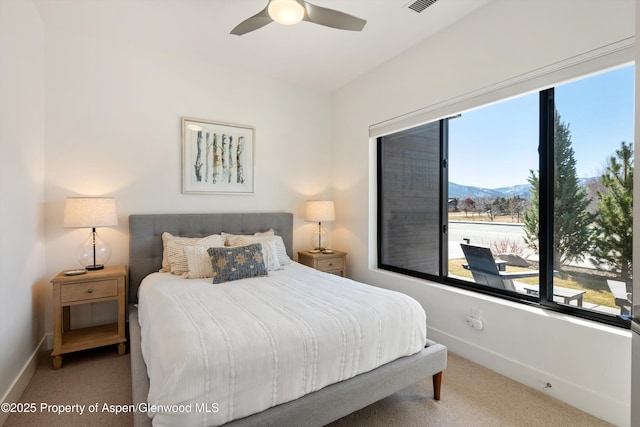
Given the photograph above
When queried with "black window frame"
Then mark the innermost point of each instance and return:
(546, 211)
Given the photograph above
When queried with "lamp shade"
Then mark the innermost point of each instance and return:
(320, 210)
(90, 212)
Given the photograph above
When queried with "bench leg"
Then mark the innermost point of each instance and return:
(437, 384)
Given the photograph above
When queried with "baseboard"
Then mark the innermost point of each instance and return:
(589, 401)
(22, 379)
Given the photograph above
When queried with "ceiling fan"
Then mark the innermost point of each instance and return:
(289, 12)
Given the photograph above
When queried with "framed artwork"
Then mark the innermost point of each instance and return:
(217, 157)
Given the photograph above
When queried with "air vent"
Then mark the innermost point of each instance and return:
(421, 5)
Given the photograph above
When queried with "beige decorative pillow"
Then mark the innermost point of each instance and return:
(269, 251)
(176, 258)
(166, 238)
(199, 262)
(281, 249)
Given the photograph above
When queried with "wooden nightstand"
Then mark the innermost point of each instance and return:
(94, 286)
(334, 263)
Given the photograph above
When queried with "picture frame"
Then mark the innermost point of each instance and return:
(217, 157)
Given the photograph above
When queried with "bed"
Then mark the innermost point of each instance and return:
(319, 407)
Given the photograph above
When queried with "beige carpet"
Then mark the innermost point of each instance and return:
(87, 377)
(471, 396)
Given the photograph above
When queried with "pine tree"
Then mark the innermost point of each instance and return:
(613, 240)
(571, 219)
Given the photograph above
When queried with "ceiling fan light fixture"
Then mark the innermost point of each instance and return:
(286, 12)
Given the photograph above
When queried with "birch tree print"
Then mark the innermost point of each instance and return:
(217, 157)
(198, 165)
(239, 162)
(230, 158)
(225, 169)
(206, 159)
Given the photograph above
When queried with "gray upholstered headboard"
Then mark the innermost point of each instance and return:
(145, 235)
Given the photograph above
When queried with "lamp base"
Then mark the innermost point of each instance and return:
(94, 252)
(319, 239)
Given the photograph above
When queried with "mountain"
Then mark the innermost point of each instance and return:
(457, 191)
(522, 190)
(463, 191)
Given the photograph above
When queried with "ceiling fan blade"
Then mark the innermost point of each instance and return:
(258, 20)
(332, 18)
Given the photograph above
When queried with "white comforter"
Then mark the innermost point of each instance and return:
(222, 352)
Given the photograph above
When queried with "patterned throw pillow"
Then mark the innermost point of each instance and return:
(237, 263)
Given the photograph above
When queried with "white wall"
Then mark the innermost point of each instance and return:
(113, 128)
(22, 283)
(587, 364)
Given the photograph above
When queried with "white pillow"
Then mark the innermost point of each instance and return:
(281, 249)
(269, 251)
(174, 250)
(269, 232)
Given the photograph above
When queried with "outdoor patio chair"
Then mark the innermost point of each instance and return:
(485, 271)
(620, 296)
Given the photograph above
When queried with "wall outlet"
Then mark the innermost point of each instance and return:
(475, 323)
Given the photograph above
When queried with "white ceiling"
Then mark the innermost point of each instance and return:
(305, 54)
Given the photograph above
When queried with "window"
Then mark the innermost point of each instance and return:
(528, 199)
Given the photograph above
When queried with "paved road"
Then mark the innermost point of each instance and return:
(481, 233)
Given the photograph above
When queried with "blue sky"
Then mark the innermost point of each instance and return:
(496, 146)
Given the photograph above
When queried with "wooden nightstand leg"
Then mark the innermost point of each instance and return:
(57, 362)
(122, 347)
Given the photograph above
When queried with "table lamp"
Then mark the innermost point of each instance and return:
(318, 211)
(91, 212)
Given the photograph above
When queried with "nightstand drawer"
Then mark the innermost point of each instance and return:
(331, 264)
(89, 290)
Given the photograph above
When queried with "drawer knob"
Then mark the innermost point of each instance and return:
(90, 291)
(330, 264)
